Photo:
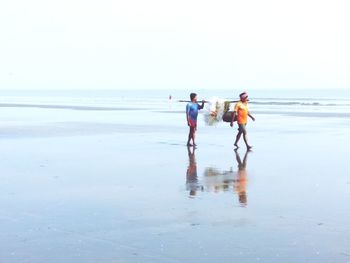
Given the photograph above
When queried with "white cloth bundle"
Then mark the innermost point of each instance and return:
(214, 111)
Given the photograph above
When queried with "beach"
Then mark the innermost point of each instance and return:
(108, 178)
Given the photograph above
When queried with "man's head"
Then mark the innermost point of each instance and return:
(193, 97)
(243, 96)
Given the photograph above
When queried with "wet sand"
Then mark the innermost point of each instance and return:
(96, 186)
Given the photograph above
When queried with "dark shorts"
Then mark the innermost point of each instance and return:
(241, 128)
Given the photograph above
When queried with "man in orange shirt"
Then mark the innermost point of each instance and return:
(241, 112)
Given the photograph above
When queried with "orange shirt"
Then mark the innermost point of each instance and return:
(241, 109)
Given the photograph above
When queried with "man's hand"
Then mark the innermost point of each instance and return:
(251, 117)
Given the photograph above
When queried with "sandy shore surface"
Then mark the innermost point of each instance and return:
(121, 186)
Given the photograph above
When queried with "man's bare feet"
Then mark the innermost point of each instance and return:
(249, 147)
(236, 146)
(188, 144)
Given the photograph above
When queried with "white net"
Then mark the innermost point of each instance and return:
(215, 110)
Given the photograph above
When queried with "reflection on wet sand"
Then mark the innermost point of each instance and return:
(236, 181)
(192, 184)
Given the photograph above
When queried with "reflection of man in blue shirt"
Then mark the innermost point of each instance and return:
(191, 174)
(192, 109)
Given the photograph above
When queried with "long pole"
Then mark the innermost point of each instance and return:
(231, 101)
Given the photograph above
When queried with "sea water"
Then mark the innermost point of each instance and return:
(105, 176)
(294, 100)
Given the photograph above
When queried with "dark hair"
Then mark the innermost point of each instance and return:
(192, 96)
(243, 93)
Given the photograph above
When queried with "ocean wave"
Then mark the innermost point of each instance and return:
(71, 107)
(306, 114)
(298, 103)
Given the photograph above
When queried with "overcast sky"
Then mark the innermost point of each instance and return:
(146, 44)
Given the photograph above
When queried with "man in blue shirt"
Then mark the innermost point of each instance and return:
(192, 109)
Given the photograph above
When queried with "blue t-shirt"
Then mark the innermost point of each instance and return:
(192, 110)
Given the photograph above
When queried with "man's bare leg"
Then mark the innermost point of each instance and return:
(190, 136)
(237, 139)
(194, 136)
(245, 138)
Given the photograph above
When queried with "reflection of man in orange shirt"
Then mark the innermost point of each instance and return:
(241, 111)
(241, 183)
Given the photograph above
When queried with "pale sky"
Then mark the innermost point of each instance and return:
(159, 44)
